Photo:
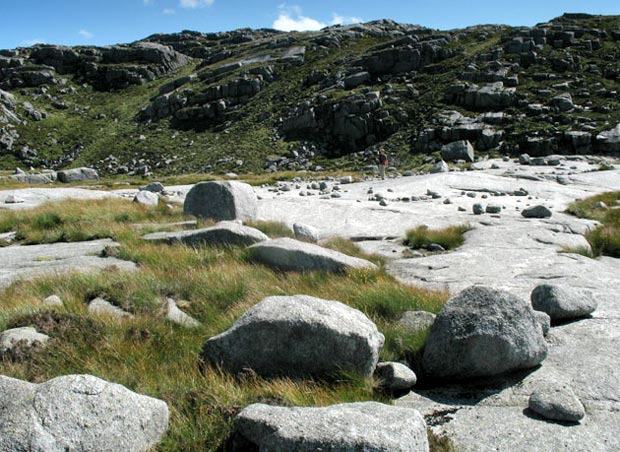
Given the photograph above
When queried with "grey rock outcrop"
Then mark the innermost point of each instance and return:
(557, 402)
(223, 233)
(353, 427)
(493, 96)
(483, 332)
(563, 102)
(563, 303)
(458, 150)
(609, 141)
(395, 376)
(221, 201)
(297, 336)
(292, 255)
(77, 175)
(536, 212)
(78, 413)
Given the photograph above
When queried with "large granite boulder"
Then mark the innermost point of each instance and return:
(297, 336)
(348, 427)
(221, 200)
(562, 302)
(223, 233)
(458, 150)
(78, 413)
(483, 332)
(292, 255)
(77, 175)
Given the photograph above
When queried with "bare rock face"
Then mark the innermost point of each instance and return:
(297, 336)
(483, 332)
(78, 413)
(293, 255)
(348, 427)
(220, 201)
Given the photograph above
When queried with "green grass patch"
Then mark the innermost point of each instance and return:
(449, 238)
(273, 229)
(604, 239)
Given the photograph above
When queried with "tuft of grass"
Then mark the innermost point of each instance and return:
(438, 443)
(346, 246)
(449, 238)
(604, 239)
(581, 250)
(273, 229)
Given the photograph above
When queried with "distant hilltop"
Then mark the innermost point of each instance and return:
(265, 100)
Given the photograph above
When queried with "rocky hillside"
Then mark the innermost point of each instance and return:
(263, 100)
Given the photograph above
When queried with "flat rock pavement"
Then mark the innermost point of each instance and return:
(26, 262)
(28, 198)
(504, 251)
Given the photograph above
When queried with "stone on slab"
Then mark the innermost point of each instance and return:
(297, 336)
(292, 255)
(221, 200)
(563, 302)
(536, 212)
(79, 413)
(349, 427)
(557, 402)
(482, 332)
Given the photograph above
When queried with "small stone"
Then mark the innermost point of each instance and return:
(383, 202)
(563, 303)
(536, 212)
(478, 209)
(146, 198)
(53, 300)
(493, 208)
(558, 403)
(99, 306)
(395, 376)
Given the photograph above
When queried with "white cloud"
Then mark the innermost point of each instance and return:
(147, 2)
(168, 11)
(85, 34)
(31, 42)
(291, 19)
(337, 19)
(195, 3)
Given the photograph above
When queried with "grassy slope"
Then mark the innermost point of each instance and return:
(152, 356)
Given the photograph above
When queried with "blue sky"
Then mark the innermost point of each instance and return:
(87, 22)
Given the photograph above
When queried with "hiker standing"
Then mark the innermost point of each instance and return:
(383, 162)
